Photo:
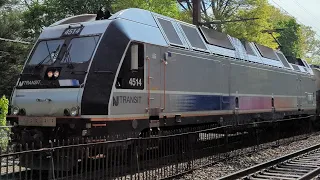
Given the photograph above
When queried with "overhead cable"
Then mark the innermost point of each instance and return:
(16, 41)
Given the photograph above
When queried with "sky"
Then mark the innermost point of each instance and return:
(306, 12)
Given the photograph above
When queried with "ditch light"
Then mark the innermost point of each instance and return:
(53, 74)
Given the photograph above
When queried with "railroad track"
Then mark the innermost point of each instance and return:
(303, 164)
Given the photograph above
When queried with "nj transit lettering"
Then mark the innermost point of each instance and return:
(126, 100)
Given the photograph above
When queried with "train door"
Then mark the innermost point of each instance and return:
(225, 81)
(226, 85)
(299, 92)
(225, 100)
(155, 83)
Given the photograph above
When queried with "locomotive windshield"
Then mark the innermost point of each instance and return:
(45, 52)
(80, 49)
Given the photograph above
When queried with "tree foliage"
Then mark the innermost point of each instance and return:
(12, 55)
(311, 45)
(253, 30)
(217, 9)
(4, 104)
(291, 38)
(165, 7)
(41, 14)
(2, 2)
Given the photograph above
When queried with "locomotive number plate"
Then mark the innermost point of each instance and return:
(37, 121)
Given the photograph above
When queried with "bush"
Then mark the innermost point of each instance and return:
(4, 138)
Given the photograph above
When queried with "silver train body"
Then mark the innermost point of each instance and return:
(139, 70)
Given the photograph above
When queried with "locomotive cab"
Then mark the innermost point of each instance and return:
(53, 78)
(69, 76)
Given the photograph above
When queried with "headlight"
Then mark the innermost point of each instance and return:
(50, 74)
(66, 112)
(74, 111)
(22, 112)
(15, 110)
(56, 74)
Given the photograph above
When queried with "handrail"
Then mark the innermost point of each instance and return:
(148, 61)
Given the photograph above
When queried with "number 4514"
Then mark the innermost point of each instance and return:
(135, 82)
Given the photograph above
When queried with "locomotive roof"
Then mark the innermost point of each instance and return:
(149, 27)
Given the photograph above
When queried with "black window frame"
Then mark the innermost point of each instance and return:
(164, 32)
(27, 62)
(274, 57)
(69, 40)
(283, 59)
(248, 48)
(200, 37)
(123, 77)
(209, 40)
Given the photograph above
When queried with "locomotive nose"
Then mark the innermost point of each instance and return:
(46, 102)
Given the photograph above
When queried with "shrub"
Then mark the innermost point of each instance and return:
(4, 138)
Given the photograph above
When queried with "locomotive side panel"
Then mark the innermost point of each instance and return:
(195, 84)
(188, 72)
(308, 93)
(254, 83)
(204, 90)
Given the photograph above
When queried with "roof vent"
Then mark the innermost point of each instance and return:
(76, 19)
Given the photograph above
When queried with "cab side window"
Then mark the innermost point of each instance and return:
(131, 75)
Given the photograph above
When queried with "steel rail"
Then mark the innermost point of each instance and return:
(264, 167)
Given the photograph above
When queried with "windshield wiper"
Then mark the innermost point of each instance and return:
(77, 72)
(68, 58)
(55, 51)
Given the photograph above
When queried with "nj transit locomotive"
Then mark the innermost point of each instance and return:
(139, 70)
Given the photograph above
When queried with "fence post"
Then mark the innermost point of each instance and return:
(51, 174)
(226, 141)
(256, 132)
(191, 140)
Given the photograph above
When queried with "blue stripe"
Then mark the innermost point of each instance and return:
(201, 102)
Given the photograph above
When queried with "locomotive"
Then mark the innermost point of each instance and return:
(140, 71)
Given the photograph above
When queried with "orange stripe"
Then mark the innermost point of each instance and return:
(117, 119)
(57, 117)
(99, 125)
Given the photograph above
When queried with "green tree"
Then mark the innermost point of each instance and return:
(212, 10)
(168, 8)
(253, 30)
(36, 18)
(2, 2)
(311, 45)
(291, 38)
(41, 14)
(12, 54)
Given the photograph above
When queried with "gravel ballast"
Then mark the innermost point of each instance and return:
(237, 163)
